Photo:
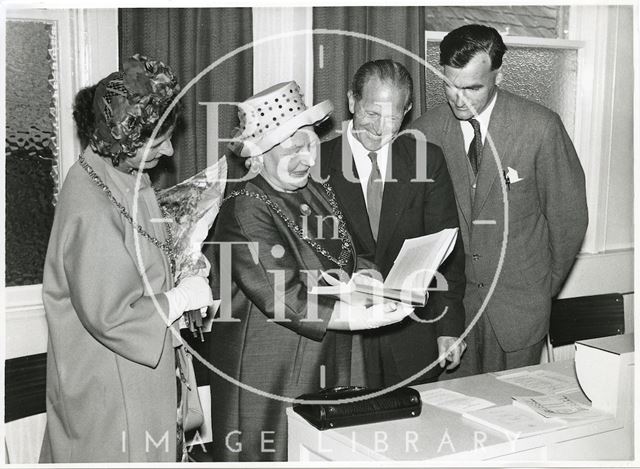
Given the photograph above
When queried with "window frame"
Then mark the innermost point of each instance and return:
(87, 50)
(588, 34)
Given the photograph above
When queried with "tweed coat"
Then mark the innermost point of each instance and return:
(267, 361)
(111, 386)
(412, 206)
(518, 250)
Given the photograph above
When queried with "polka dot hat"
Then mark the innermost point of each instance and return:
(272, 116)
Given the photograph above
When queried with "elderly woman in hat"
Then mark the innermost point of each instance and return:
(276, 231)
(108, 292)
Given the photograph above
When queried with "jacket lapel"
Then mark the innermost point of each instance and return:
(398, 191)
(499, 134)
(456, 157)
(349, 195)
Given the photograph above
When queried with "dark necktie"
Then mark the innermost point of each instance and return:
(374, 194)
(475, 149)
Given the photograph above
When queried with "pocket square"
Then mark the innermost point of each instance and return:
(512, 175)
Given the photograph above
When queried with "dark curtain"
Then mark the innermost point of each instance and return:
(189, 40)
(342, 55)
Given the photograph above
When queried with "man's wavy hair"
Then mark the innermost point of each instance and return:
(387, 71)
(462, 44)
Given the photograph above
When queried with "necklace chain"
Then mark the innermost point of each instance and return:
(343, 234)
(164, 246)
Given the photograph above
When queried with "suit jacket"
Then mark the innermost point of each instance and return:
(519, 249)
(409, 209)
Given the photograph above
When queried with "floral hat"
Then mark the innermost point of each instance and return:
(272, 116)
(130, 102)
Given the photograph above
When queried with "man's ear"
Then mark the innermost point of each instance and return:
(352, 102)
(409, 107)
(499, 76)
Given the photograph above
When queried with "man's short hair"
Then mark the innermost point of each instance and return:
(386, 70)
(462, 44)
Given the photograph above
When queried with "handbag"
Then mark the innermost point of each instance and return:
(397, 404)
(192, 413)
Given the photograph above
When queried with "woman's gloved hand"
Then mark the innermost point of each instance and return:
(350, 317)
(191, 293)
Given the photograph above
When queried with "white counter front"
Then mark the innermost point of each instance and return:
(440, 435)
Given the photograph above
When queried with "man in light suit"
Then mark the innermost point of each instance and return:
(371, 172)
(522, 220)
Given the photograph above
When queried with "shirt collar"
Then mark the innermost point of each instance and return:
(485, 116)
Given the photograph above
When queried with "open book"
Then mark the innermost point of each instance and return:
(409, 278)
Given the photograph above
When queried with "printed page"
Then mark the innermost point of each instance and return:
(370, 286)
(419, 259)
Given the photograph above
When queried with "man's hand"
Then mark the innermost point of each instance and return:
(449, 351)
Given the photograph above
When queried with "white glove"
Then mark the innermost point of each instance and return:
(191, 293)
(350, 317)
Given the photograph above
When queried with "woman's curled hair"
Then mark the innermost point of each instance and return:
(83, 114)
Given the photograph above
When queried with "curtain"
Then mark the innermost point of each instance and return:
(189, 40)
(341, 56)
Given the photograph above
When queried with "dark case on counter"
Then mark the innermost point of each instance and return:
(397, 404)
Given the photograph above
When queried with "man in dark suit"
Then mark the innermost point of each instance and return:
(521, 200)
(376, 180)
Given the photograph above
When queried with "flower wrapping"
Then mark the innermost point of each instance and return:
(193, 206)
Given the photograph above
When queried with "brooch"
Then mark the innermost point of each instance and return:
(305, 210)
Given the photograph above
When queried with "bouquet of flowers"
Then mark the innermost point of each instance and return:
(193, 206)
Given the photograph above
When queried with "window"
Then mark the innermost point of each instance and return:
(577, 61)
(50, 55)
(31, 147)
(540, 65)
(533, 21)
(544, 73)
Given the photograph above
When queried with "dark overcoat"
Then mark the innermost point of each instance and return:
(273, 344)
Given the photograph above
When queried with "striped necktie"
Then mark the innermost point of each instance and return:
(375, 188)
(475, 149)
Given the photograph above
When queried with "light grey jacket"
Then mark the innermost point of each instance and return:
(518, 249)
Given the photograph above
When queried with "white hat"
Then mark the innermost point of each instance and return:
(272, 116)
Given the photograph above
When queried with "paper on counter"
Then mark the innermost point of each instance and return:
(545, 382)
(551, 405)
(559, 406)
(453, 401)
(513, 420)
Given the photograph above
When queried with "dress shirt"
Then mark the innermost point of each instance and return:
(363, 162)
(484, 117)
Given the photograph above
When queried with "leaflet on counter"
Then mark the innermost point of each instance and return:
(542, 381)
(559, 406)
(514, 420)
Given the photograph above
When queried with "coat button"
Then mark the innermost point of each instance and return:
(476, 257)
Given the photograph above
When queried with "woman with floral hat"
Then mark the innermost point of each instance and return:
(108, 293)
(272, 340)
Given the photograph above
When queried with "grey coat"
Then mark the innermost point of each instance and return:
(518, 250)
(111, 387)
